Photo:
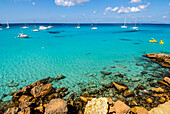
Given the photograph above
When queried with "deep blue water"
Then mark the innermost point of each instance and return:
(74, 52)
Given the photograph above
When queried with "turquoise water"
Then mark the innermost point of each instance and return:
(75, 53)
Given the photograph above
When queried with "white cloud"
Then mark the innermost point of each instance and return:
(33, 3)
(63, 16)
(164, 17)
(94, 12)
(123, 9)
(135, 1)
(69, 2)
(169, 4)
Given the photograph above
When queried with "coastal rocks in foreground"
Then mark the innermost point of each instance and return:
(160, 58)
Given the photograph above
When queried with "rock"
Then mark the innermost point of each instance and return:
(62, 89)
(135, 79)
(5, 105)
(86, 99)
(11, 92)
(25, 111)
(39, 109)
(163, 83)
(13, 84)
(106, 73)
(12, 110)
(167, 80)
(162, 100)
(25, 98)
(144, 72)
(120, 66)
(158, 90)
(120, 87)
(97, 106)
(117, 74)
(56, 106)
(110, 85)
(41, 90)
(104, 68)
(138, 64)
(149, 100)
(25, 104)
(128, 93)
(120, 108)
(139, 110)
(112, 67)
(58, 77)
(161, 109)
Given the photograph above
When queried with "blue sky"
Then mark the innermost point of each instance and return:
(107, 11)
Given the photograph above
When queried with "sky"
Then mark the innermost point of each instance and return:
(85, 11)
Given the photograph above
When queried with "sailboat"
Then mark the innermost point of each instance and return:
(7, 25)
(25, 27)
(35, 30)
(94, 27)
(135, 27)
(0, 26)
(50, 26)
(78, 26)
(124, 26)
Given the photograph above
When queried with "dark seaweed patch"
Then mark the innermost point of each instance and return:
(53, 32)
(136, 43)
(104, 40)
(126, 39)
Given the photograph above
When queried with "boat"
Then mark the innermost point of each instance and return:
(94, 27)
(35, 30)
(50, 27)
(0, 26)
(135, 27)
(78, 26)
(43, 28)
(124, 26)
(23, 36)
(7, 25)
(153, 40)
(25, 27)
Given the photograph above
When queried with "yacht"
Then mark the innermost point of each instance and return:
(135, 27)
(124, 26)
(35, 30)
(94, 27)
(25, 27)
(7, 25)
(23, 36)
(43, 28)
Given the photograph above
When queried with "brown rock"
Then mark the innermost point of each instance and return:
(162, 99)
(110, 101)
(25, 111)
(161, 109)
(106, 73)
(139, 110)
(41, 90)
(158, 90)
(25, 98)
(149, 100)
(120, 87)
(56, 106)
(12, 110)
(25, 104)
(128, 93)
(167, 80)
(86, 99)
(164, 83)
(39, 108)
(120, 107)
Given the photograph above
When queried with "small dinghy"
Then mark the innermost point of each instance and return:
(23, 36)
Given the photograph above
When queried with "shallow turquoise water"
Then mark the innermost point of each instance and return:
(74, 52)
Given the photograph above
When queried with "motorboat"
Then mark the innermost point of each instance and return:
(50, 27)
(35, 30)
(25, 27)
(134, 28)
(78, 26)
(23, 36)
(124, 26)
(7, 26)
(43, 28)
(94, 28)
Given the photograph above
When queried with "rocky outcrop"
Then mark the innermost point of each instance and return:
(56, 106)
(139, 110)
(161, 109)
(97, 106)
(120, 108)
(167, 80)
(119, 86)
(160, 58)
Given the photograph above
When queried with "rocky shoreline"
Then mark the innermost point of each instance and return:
(40, 97)
(152, 94)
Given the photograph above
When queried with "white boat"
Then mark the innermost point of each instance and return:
(135, 27)
(78, 27)
(43, 28)
(0, 26)
(35, 30)
(94, 28)
(23, 36)
(7, 25)
(25, 27)
(124, 26)
(50, 27)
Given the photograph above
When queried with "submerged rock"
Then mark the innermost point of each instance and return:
(13, 84)
(58, 77)
(97, 106)
(56, 106)
(11, 92)
(106, 73)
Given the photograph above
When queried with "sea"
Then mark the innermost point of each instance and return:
(79, 54)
